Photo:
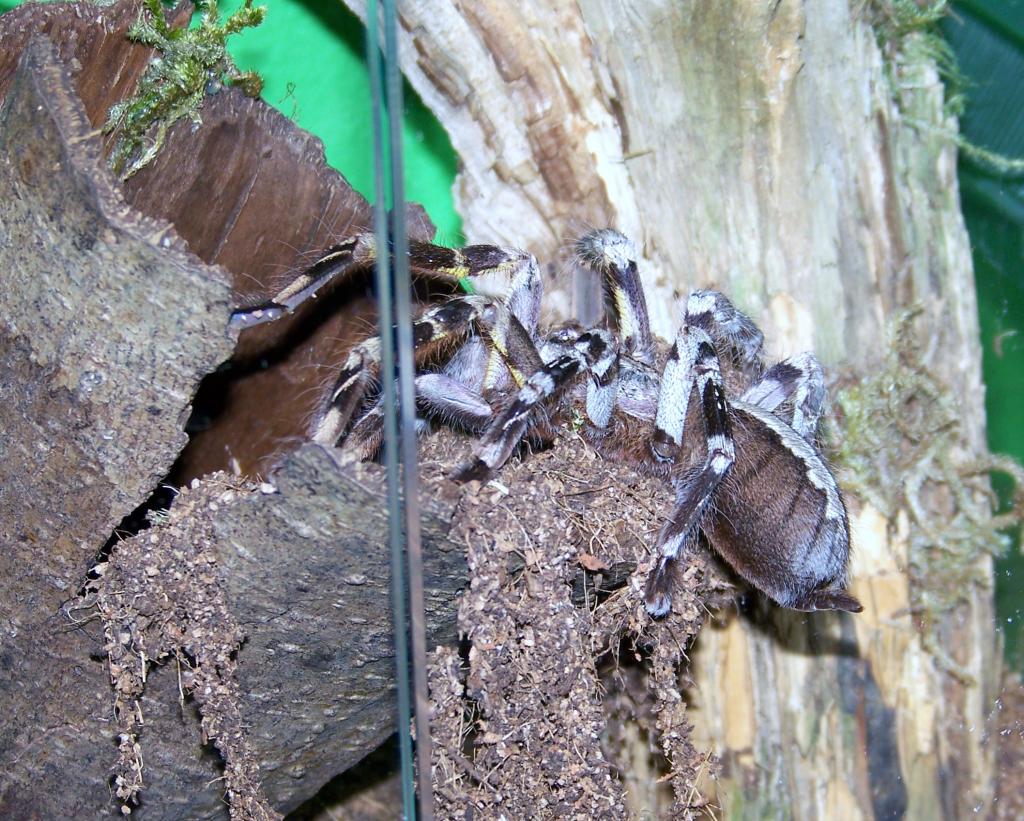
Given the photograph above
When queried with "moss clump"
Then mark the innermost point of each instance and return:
(908, 35)
(901, 451)
(191, 62)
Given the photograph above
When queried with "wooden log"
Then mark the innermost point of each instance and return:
(773, 159)
(299, 571)
(109, 322)
(303, 572)
(108, 325)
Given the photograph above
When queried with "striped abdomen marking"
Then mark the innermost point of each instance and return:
(780, 521)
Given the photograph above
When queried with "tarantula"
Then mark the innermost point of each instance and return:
(735, 439)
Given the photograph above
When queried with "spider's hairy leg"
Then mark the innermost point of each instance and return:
(512, 351)
(593, 352)
(451, 400)
(454, 265)
(468, 262)
(499, 352)
(710, 318)
(613, 256)
(693, 369)
(457, 394)
(444, 325)
(512, 278)
(442, 395)
(350, 254)
(794, 390)
(734, 333)
(515, 272)
(503, 352)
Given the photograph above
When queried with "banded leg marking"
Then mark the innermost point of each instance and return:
(444, 396)
(353, 253)
(697, 373)
(444, 325)
(731, 329)
(592, 352)
(458, 266)
(459, 393)
(507, 430)
(512, 351)
(794, 390)
(613, 256)
(509, 349)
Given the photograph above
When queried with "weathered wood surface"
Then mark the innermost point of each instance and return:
(108, 323)
(248, 192)
(312, 580)
(100, 362)
(776, 152)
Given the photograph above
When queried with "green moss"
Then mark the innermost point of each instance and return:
(908, 36)
(910, 39)
(901, 452)
(191, 61)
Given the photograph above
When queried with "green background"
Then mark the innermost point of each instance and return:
(988, 40)
(310, 54)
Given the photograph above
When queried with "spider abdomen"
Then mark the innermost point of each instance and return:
(779, 519)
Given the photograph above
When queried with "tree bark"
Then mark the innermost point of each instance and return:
(799, 159)
(110, 324)
(109, 321)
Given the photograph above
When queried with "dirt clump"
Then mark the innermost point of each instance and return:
(528, 720)
(162, 601)
(564, 698)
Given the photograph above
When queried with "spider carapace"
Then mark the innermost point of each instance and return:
(736, 439)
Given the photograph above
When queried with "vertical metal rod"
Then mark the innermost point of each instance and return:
(382, 166)
(407, 407)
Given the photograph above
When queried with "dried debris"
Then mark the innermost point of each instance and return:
(564, 688)
(529, 720)
(162, 602)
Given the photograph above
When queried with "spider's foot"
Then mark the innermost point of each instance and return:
(605, 248)
(477, 470)
(828, 599)
(658, 592)
(612, 255)
(249, 317)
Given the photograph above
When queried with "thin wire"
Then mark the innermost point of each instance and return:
(382, 169)
(407, 407)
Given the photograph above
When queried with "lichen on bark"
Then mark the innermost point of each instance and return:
(899, 451)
